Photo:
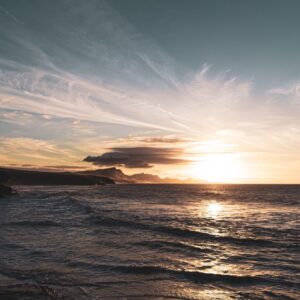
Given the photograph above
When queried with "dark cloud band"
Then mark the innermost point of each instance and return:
(137, 157)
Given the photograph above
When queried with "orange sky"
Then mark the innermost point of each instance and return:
(187, 100)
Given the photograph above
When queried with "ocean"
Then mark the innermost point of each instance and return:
(151, 242)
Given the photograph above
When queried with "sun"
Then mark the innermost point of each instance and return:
(218, 168)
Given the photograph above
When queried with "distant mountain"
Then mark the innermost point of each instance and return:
(113, 173)
(146, 178)
(119, 177)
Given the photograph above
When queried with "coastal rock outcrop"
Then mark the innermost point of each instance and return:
(6, 191)
(14, 177)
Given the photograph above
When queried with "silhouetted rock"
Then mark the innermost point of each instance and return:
(141, 178)
(113, 173)
(29, 177)
(6, 191)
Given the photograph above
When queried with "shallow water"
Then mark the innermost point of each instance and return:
(151, 242)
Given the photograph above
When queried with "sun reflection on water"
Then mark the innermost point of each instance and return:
(214, 209)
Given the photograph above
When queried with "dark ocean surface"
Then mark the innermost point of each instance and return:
(151, 242)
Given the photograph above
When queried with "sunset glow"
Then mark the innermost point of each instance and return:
(218, 168)
(117, 92)
(149, 149)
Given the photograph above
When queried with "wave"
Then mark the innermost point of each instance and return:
(83, 207)
(28, 291)
(202, 277)
(193, 276)
(60, 198)
(44, 223)
(182, 232)
(152, 272)
(196, 276)
(158, 244)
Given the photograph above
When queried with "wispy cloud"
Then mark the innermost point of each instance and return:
(34, 151)
(117, 87)
(85, 77)
(10, 15)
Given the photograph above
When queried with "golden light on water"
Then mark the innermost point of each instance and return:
(214, 209)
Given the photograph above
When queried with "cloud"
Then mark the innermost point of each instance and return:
(35, 151)
(105, 71)
(3, 10)
(87, 72)
(138, 157)
(151, 138)
(163, 140)
(289, 90)
(288, 96)
(100, 81)
(65, 167)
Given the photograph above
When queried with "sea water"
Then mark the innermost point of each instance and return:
(151, 242)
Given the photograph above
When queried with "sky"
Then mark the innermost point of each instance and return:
(200, 89)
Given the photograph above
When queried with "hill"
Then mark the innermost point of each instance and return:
(119, 177)
(29, 177)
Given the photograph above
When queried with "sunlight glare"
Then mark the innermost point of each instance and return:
(213, 209)
(220, 168)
